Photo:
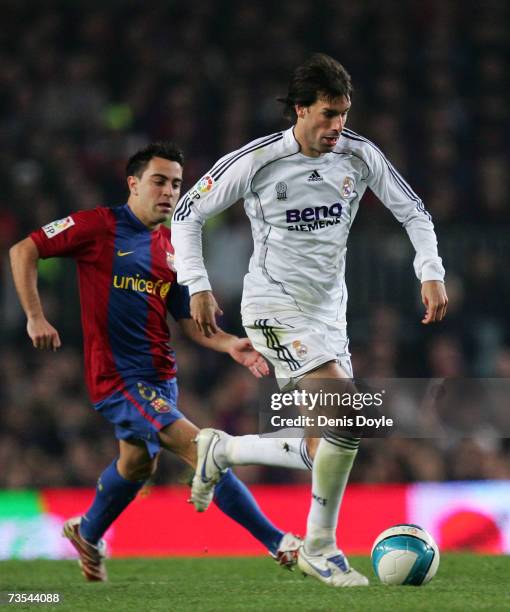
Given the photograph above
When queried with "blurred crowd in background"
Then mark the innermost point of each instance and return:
(85, 84)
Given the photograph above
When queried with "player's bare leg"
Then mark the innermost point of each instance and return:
(135, 462)
(179, 438)
(311, 446)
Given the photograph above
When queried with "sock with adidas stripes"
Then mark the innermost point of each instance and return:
(331, 468)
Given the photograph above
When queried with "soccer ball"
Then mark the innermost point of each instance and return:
(405, 554)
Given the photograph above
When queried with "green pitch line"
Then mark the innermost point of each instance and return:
(464, 582)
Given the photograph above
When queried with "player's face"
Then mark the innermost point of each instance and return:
(319, 126)
(155, 194)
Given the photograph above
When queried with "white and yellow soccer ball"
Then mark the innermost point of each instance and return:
(405, 554)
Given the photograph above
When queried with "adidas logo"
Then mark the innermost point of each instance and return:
(315, 177)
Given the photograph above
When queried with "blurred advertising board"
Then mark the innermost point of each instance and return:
(468, 516)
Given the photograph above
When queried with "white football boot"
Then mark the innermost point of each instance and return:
(331, 568)
(208, 471)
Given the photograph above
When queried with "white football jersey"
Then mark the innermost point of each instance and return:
(301, 210)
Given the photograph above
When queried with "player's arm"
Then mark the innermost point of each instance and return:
(225, 184)
(240, 349)
(80, 236)
(24, 256)
(407, 207)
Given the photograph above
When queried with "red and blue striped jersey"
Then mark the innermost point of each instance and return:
(127, 282)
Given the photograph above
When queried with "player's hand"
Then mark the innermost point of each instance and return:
(242, 351)
(204, 310)
(43, 335)
(433, 295)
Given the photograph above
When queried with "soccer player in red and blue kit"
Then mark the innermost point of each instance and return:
(127, 283)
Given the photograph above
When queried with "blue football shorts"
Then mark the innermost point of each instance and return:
(141, 409)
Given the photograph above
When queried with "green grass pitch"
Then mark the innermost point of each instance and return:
(464, 582)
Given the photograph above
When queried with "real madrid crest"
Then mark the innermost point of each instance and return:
(300, 348)
(347, 187)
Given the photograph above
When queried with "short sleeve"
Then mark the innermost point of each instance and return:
(80, 235)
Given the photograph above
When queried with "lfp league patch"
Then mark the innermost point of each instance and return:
(56, 227)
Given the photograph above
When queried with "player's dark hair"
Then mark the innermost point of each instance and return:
(320, 76)
(167, 150)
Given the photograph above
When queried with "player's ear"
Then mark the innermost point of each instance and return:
(300, 110)
(132, 182)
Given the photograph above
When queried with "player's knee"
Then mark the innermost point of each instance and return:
(180, 440)
(311, 446)
(139, 470)
(148, 469)
(144, 471)
(153, 466)
(187, 452)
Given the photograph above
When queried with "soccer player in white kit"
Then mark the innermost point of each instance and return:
(301, 190)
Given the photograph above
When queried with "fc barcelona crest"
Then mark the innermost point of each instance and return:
(160, 405)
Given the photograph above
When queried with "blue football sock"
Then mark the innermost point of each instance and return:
(113, 494)
(235, 500)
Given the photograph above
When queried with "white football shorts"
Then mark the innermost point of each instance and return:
(296, 345)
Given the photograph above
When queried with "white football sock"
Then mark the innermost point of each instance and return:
(331, 469)
(287, 452)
